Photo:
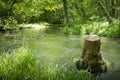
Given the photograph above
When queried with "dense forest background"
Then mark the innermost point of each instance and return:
(100, 17)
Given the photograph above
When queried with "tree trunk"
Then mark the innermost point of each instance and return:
(112, 9)
(91, 55)
(106, 13)
(66, 12)
(10, 8)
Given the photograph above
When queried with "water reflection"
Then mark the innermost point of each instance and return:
(53, 47)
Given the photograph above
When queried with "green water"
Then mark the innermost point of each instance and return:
(56, 47)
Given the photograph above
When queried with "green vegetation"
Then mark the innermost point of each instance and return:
(21, 64)
(103, 29)
(79, 17)
(40, 23)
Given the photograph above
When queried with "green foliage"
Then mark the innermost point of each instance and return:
(58, 73)
(51, 11)
(103, 28)
(52, 16)
(73, 30)
(19, 65)
(66, 30)
(88, 30)
(22, 65)
(9, 23)
(77, 29)
(30, 11)
(113, 30)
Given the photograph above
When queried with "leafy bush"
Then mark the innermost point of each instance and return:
(73, 30)
(113, 30)
(9, 23)
(104, 29)
(67, 30)
(88, 29)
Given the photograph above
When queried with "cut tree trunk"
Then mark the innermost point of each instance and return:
(91, 55)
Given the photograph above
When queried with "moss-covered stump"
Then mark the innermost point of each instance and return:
(91, 54)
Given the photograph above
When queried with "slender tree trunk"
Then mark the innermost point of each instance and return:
(112, 9)
(80, 10)
(10, 8)
(106, 13)
(66, 12)
(72, 16)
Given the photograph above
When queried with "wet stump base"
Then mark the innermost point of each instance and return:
(91, 55)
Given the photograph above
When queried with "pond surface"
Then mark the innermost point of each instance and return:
(53, 47)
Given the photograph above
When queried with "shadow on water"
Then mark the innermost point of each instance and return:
(51, 46)
(111, 53)
(111, 75)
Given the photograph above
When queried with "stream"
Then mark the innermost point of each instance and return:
(51, 47)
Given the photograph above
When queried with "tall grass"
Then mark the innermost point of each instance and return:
(21, 64)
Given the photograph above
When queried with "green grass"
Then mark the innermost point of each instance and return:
(21, 64)
(101, 28)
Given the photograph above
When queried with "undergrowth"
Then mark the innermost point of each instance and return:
(101, 28)
(21, 64)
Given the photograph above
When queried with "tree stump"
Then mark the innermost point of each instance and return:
(91, 54)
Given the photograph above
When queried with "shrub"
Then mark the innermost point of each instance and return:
(104, 28)
(113, 30)
(10, 22)
(72, 30)
(67, 30)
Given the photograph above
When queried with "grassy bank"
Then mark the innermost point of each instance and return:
(101, 28)
(21, 64)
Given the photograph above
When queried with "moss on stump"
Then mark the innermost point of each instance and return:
(91, 54)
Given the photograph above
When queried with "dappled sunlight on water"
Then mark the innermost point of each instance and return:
(50, 48)
(35, 26)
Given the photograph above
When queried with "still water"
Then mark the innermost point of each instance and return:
(51, 47)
